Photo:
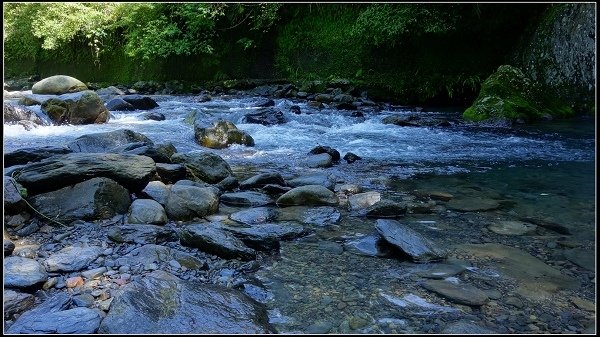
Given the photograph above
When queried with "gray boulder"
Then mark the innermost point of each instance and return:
(97, 198)
(20, 272)
(118, 104)
(265, 116)
(111, 90)
(173, 306)
(157, 191)
(386, 209)
(318, 160)
(461, 293)
(266, 236)
(410, 241)
(131, 171)
(186, 202)
(211, 238)
(335, 154)
(84, 107)
(309, 195)
(140, 102)
(221, 135)
(57, 85)
(72, 258)
(109, 142)
(141, 234)
(146, 211)
(363, 200)
(204, 166)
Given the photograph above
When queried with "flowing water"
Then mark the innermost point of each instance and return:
(320, 284)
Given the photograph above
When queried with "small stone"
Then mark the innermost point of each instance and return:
(50, 283)
(93, 273)
(75, 281)
(105, 305)
(174, 264)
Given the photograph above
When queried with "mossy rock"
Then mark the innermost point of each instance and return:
(508, 93)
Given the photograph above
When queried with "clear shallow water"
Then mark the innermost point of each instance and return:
(545, 171)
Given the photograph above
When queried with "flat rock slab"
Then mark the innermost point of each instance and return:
(51, 318)
(160, 303)
(413, 243)
(30, 155)
(15, 302)
(160, 254)
(72, 258)
(109, 142)
(256, 215)
(254, 199)
(472, 204)
(211, 238)
(537, 280)
(141, 234)
(510, 227)
(131, 171)
(584, 258)
(20, 272)
(369, 245)
(460, 293)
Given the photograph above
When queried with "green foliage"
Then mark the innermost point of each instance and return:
(389, 24)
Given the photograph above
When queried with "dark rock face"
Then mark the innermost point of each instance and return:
(83, 107)
(413, 243)
(118, 104)
(97, 198)
(205, 166)
(154, 116)
(213, 239)
(113, 141)
(335, 155)
(140, 102)
(163, 304)
(30, 155)
(386, 209)
(170, 173)
(266, 116)
(51, 318)
(16, 302)
(131, 171)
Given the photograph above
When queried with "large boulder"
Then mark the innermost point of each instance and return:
(131, 171)
(161, 303)
(58, 85)
(309, 195)
(107, 142)
(185, 202)
(140, 102)
(83, 107)
(146, 211)
(97, 198)
(29, 155)
(260, 180)
(509, 94)
(204, 166)
(265, 116)
(221, 135)
(20, 272)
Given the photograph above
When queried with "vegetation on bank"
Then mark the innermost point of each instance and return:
(409, 53)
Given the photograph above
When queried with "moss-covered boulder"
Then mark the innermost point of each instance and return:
(509, 94)
(221, 135)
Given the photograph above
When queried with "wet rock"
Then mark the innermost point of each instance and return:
(263, 103)
(418, 305)
(111, 90)
(20, 272)
(369, 245)
(295, 109)
(72, 258)
(323, 98)
(172, 306)
(9, 247)
(141, 234)
(442, 270)
(15, 114)
(335, 155)
(253, 199)
(221, 135)
(460, 293)
(119, 104)
(385, 209)
(466, 328)
(146, 211)
(275, 190)
(472, 204)
(131, 171)
(109, 142)
(582, 257)
(57, 85)
(157, 191)
(16, 302)
(514, 301)
(260, 180)
(351, 157)
(186, 202)
(553, 226)
(509, 227)
(421, 207)
(13, 201)
(159, 254)
(97, 198)
(410, 241)
(213, 239)
(204, 166)
(227, 184)
(363, 200)
(400, 120)
(320, 216)
(140, 102)
(309, 195)
(536, 280)
(83, 107)
(319, 160)
(265, 116)
(73, 321)
(322, 179)
(253, 216)
(30, 155)
(153, 116)
(170, 173)
(266, 236)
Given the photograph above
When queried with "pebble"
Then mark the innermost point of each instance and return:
(75, 281)
(51, 282)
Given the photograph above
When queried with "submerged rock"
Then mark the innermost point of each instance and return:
(163, 304)
(472, 204)
(512, 227)
(460, 293)
(253, 216)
